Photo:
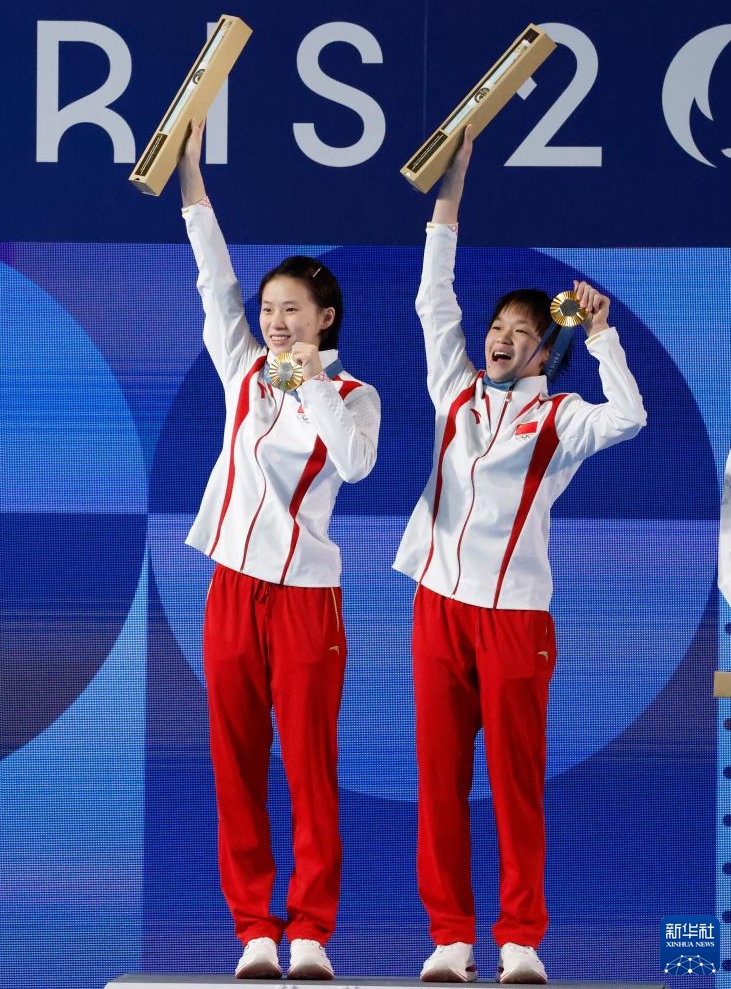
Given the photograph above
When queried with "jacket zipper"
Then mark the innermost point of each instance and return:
(508, 399)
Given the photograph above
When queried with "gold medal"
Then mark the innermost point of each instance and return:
(285, 372)
(566, 311)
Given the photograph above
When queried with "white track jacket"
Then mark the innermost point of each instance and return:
(268, 502)
(479, 532)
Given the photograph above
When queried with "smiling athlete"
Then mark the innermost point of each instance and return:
(477, 544)
(273, 635)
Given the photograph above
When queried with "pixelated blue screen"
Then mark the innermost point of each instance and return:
(112, 417)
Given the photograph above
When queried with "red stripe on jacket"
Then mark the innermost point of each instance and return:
(242, 410)
(312, 468)
(544, 450)
(450, 430)
(527, 406)
(259, 507)
(346, 387)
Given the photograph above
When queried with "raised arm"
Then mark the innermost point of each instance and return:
(583, 428)
(449, 369)
(596, 304)
(449, 197)
(192, 188)
(226, 333)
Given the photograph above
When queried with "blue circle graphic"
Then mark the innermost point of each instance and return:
(74, 509)
(617, 533)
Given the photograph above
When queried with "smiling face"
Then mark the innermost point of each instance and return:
(510, 341)
(289, 315)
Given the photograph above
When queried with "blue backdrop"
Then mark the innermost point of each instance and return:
(112, 416)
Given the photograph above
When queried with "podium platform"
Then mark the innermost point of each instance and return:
(151, 981)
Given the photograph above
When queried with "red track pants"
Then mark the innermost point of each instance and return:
(266, 645)
(481, 666)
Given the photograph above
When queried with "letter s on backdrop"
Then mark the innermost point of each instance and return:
(370, 112)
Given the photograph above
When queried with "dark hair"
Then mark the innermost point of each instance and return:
(322, 286)
(537, 306)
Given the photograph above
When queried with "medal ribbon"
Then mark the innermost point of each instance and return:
(561, 343)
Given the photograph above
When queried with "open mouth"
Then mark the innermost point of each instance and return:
(501, 356)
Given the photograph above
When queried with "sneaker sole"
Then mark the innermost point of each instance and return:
(259, 970)
(447, 975)
(522, 976)
(310, 972)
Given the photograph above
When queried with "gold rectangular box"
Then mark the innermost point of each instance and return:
(529, 50)
(192, 101)
(721, 684)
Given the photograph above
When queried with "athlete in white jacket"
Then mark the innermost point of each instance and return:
(477, 544)
(273, 632)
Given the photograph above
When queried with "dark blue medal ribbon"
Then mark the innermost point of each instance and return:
(567, 315)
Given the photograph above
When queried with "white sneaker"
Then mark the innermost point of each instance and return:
(307, 960)
(259, 960)
(519, 963)
(450, 963)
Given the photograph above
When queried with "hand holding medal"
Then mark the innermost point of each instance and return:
(290, 369)
(594, 305)
(584, 306)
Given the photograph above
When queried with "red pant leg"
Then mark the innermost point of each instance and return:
(447, 720)
(515, 660)
(239, 700)
(307, 650)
